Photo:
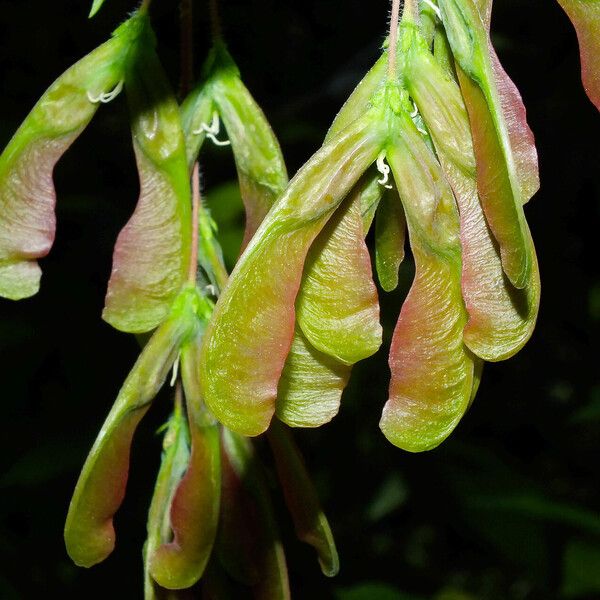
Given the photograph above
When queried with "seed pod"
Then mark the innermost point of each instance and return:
(301, 499)
(194, 512)
(273, 581)
(390, 234)
(501, 317)
(258, 158)
(261, 169)
(27, 194)
(152, 252)
(240, 386)
(89, 532)
(585, 16)
(197, 109)
(432, 370)
(174, 462)
(439, 102)
(498, 180)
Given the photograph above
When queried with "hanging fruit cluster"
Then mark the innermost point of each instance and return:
(432, 147)
(301, 307)
(211, 515)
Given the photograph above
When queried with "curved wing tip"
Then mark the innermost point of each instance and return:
(413, 442)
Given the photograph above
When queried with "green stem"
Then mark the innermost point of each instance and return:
(219, 269)
(145, 5)
(213, 256)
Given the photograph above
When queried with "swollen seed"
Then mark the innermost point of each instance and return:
(261, 170)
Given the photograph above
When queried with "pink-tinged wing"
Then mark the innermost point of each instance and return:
(301, 499)
(174, 463)
(501, 317)
(337, 307)
(485, 10)
(27, 194)
(250, 334)
(269, 558)
(499, 178)
(194, 512)
(261, 170)
(520, 135)
(585, 16)
(505, 217)
(152, 253)
(239, 532)
(89, 531)
(432, 370)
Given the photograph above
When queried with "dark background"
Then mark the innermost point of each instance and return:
(505, 509)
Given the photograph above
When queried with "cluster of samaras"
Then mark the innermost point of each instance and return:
(433, 142)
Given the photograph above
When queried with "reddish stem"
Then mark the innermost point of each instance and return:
(394, 20)
(195, 212)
